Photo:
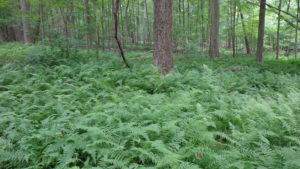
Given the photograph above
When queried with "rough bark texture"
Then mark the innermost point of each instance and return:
(261, 31)
(116, 4)
(214, 30)
(26, 27)
(163, 35)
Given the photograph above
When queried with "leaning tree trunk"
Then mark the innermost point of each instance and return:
(214, 32)
(261, 31)
(116, 5)
(26, 26)
(163, 35)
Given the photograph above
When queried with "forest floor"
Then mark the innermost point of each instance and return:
(67, 109)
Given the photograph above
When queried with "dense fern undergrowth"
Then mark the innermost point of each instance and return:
(76, 112)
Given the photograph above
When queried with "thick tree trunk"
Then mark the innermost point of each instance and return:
(261, 31)
(26, 26)
(214, 30)
(163, 35)
(278, 30)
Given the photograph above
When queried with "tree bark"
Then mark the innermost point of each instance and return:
(288, 6)
(247, 43)
(233, 29)
(130, 33)
(103, 25)
(202, 25)
(214, 30)
(261, 31)
(65, 22)
(96, 27)
(278, 30)
(163, 35)
(26, 26)
(87, 24)
(297, 24)
(116, 5)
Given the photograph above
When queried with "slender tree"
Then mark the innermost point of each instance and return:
(233, 29)
(278, 30)
(116, 5)
(26, 26)
(97, 27)
(163, 35)
(261, 31)
(214, 31)
(247, 43)
(87, 21)
(297, 24)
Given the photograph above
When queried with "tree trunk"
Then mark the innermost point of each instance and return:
(261, 31)
(288, 6)
(41, 13)
(145, 23)
(233, 29)
(87, 24)
(130, 33)
(297, 24)
(214, 30)
(116, 5)
(103, 25)
(65, 23)
(26, 26)
(96, 28)
(163, 35)
(202, 25)
(137, 24)
(278, 30)
(148, 23)
(247, 43)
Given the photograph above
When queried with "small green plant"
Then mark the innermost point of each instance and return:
(205, 114)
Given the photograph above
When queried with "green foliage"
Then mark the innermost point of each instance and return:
(96, 114)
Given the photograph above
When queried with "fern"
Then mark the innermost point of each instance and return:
(76, 113)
